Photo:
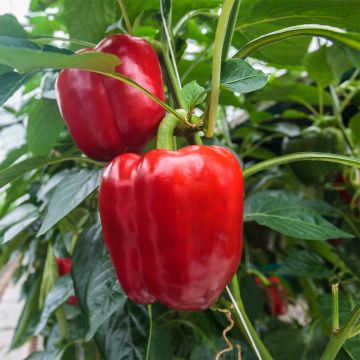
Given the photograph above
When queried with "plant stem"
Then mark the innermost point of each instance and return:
(328, 32)
(44, 39)
(230, 29)
(355, 331)
(189, 15)
(220, 35)
(244, 323)
(172, 80)
(170, 46)
(335, 308)
(194, 62)
(61, 320)
(137, 86)
(150, 332)
(126, 17)
(284, 159)
(338, 116)
(165, 135)
(337, 340)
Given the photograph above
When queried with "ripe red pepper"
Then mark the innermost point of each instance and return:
(64, 267)
(107, 117)
(276, 296)
(172, 221)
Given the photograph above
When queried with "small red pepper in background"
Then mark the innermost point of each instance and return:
(340, 181)
(172, 221)
(64, 267)
(276, 295)
(105, 116)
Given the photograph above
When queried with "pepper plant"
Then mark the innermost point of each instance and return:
(276, 84)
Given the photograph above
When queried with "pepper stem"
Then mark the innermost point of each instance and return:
(165, 135)
(125, 16)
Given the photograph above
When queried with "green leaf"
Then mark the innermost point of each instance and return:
(25, 59)
(124, 335)
(15, 42)
(49, 275)
(95, 282)
(18, 228)
(265, 16)
(12, 156)
(339, 61)
(61, 291)
(10, 82)
(68, 195)
(239, 76)
(298, 93)
(290, 218)
(354, 125)
(29, 317)
(304, 263)
(19, 169)
(44, 126)
(16, 215)
(318, 67)
(284, 343)
(180, 8)
(191, 94)
(160, 345)
(9, 26)
(41, 355)
(89, 21)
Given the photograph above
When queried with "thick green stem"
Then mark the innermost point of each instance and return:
(244, 323)
(165, 135)
(284, 159)
(337, 340)
(220, 35)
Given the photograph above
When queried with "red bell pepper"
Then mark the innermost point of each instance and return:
(276, 295)
(172, 221)
(105, 116)
(64, 267)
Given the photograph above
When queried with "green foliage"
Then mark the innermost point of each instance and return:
(301, 221)
(89, 21)
(68, 195)
(96, 285)
(290, 218)
(239, 76)
(44, 126)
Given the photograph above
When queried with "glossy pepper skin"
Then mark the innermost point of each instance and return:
(172, 221)
(64, 267)
(105, 116)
